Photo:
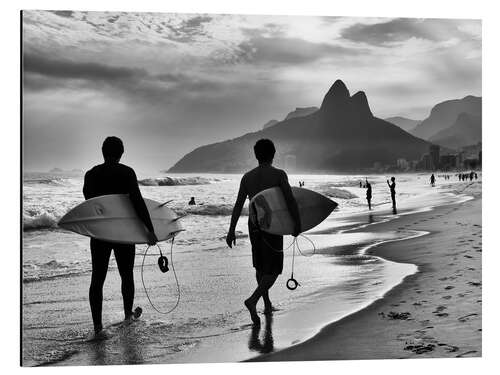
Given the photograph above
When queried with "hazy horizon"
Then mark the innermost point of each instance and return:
(168, 83)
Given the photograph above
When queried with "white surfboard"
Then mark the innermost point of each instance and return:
(268, 210)
(113, 218)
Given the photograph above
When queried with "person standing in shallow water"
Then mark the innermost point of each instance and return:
(392, 187)
(111, 177)
(369, 194)
(267, 249)
(433, 180)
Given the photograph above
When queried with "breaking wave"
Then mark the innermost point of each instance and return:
(177, 181)
(334, 192)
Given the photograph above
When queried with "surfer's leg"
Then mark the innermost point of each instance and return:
(268, 306)
(100, 252)
(125, 256)
(266, 282)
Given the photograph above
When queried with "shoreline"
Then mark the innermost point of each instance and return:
(362, 223)
(382, 330)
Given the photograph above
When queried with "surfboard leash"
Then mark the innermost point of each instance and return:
(292, 283)
(163, 265)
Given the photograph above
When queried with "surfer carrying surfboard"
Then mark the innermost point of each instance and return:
(267, 254)
(111, 177)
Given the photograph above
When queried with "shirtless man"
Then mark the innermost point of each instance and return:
(392, 187)
(267, 249)
(112, 177)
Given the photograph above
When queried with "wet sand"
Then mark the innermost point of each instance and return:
(433, 313)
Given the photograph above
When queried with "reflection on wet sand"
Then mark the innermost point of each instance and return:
(266, 345)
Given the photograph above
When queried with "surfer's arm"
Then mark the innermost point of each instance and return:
(238, 207)
(291, 203)
(87, 187)
(138, 202)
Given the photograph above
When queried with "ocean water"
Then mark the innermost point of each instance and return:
(336, 278)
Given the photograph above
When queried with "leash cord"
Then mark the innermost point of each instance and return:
(175, 276)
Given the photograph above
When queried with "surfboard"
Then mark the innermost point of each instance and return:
(268, 210)
(113, 218)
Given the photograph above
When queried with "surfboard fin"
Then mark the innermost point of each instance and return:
(165, 203)
(180, 217)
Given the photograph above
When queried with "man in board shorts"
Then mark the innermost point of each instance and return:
(111, 177)
(267, 249)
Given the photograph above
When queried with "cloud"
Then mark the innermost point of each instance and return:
(63, 13)
(39, 64)
(188, 30)
(276, 49)
(402, 29)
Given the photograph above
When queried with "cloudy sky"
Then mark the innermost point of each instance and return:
(167, 83)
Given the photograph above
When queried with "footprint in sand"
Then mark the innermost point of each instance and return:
(473, 283)
(465, 318)
(439, 309)
(466, 353)
(449, 287)
(446, 297)
(442, 315)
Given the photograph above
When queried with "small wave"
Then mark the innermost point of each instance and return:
(177, 181)
(210, 210)
(334, 192)
(44, 220)
(56, 181)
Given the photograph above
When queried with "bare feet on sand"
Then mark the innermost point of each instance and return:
(133, 315)
(269, 309)
(252, 308)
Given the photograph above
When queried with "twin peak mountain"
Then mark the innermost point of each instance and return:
(341, 136)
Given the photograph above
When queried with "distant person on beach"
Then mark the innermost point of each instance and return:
(369, 194)
(475, 176)
(111, 177)
(192, 202)
(392, 187)
(471, 175)
(267, 249)
(360, 184)
(433, 180)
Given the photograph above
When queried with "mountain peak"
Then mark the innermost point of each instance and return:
(338, 94)
(360, 103)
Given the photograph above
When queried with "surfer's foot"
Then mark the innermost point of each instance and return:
(97, 329)
(269, 309)
(98, 335)
(252, 308)
(134, 315)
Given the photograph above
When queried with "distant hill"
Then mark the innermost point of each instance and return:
(444, 115)
(404, 123)
(464, 132)
(299, 112)
(342, 136)
(270, 123)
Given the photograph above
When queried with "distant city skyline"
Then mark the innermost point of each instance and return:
(168, 83)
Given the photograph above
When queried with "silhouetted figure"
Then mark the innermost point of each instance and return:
(267, 254)
(471, 175)
(475, 176)
(433, 179)
(111, 177)
(360, 184)
(369, 194)
(392, 187)
(192, 202)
